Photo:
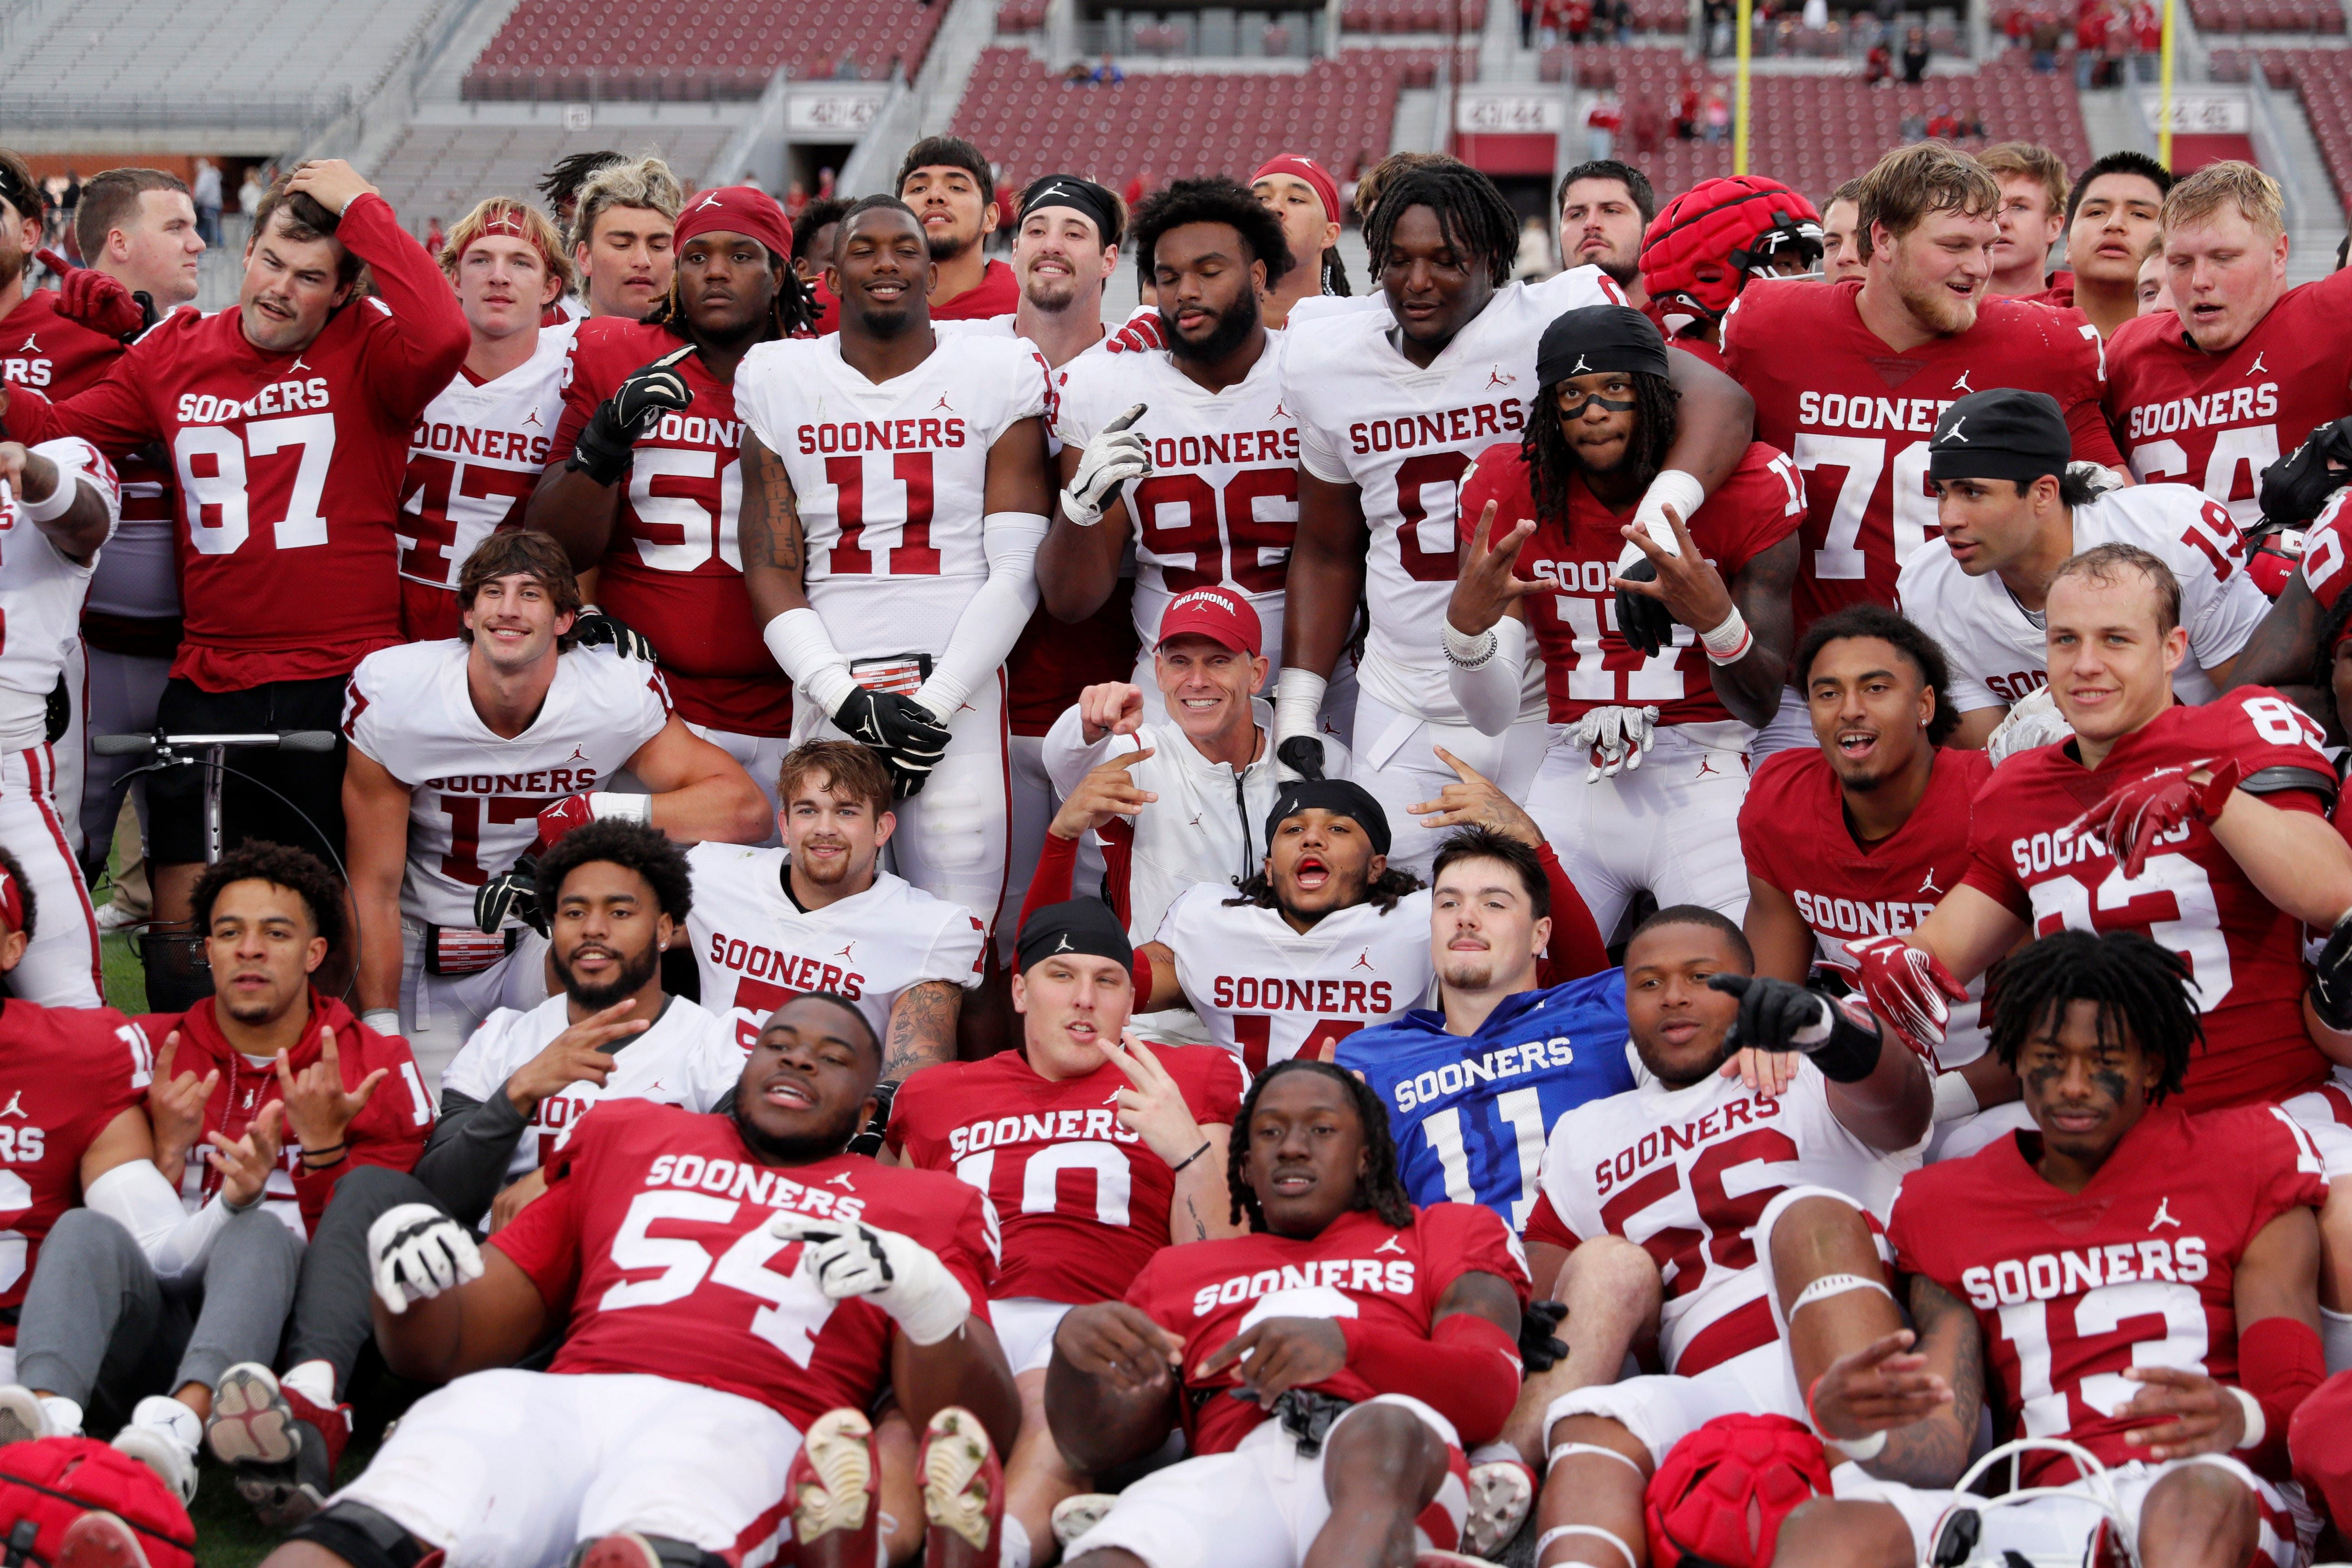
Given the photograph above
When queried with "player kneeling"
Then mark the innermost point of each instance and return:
(2143, 1281)
(1328, 1368)
(790, 1278)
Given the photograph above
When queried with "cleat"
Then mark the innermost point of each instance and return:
(834, 1484)
(627, 1550)
(1074, 1516)
(98, 1540)
(282, 1447)
(963, 1492)
(161, 1453)
(22, 1419)
(1501, 1493)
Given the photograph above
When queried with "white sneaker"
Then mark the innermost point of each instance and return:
(114, 919)
(1074, 1516)
(161, 1435)
(22, 1419)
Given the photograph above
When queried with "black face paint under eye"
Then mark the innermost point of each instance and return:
(2111, 1081)
(1610, 404)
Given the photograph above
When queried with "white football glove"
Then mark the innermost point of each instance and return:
(1613, 738)
(1115, 456)
(2098, 475)
(417, 1251)
(896, 1273)
(2033, 721)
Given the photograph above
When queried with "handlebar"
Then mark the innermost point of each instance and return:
(149, 745)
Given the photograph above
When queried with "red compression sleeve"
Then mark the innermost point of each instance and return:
(1467, 1370)
(2280, 1363)
(1050, 882)
(1577, 946)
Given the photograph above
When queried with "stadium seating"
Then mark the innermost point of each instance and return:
(2323, 77)
(2229, 16)
(253, 51)
(1020, 15)
(440, 171)
(725, 48)
(1410, 15)
(1162, 124)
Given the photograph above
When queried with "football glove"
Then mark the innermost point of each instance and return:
(89, 298)
(1303, 755)
(608, 442)
(909, 735)
(512, 894)
(1645, 624)
(896, 1273)
(594, 628)
(869, 1142)
(1775, 1016)
(1540, 1347)
(1613, 738)
(2133, 818)
(2033, 721)
(2331, 979)
(2097, 478)
(2296, 485)
(416, 1251)
(1139, 333)
(1908, 989)
(1115, 456)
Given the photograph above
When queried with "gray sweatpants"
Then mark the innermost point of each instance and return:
(97, 1323)
(331, 1319)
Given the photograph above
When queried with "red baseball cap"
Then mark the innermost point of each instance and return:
(1326, 189)
(736, 209)
(1222, 616)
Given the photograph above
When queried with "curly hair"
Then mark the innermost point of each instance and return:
(636, 846)
(1211, 200)
(1552, 463)
(14, 871)
(2143, 993)
(1378, 1189)
(298, 871)
(1475, 218)
(1899, 632)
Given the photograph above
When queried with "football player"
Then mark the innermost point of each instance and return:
(895, 495)
(2185, 1394)
(2112, 216)
(616, 895)
(446, 931)
(2010, 510)
(479, 445)
(1094, 1150)
(2033, 189)
(947, 183)
(1605, 208)
(1305, 199)
(642, 477)
(1819, 363)
(1656, 674)
(624, 214)
(1700, 252)
(1385, 432)
(1328, 1368)
(59, 503)
(289, 499)
(2245, 366)
(821, 914)
(705, 1396)
(1840, 256)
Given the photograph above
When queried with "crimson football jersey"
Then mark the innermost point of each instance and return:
(652, 1246)
(674, 567)
(2243, 952)
(1083, 1202)
(288, 464)
(1856, 416)
(1207, 1292)
(2217, 421)
(2326, 545)
(2137, 1269)
(65, 1074)
(50, 352)
(1588, 663)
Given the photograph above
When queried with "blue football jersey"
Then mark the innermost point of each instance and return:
(1471, 1114)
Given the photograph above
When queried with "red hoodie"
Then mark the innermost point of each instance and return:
(390, 1129)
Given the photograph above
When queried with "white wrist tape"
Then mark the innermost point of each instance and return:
(1562, 1532)
(58, 502)
(1860, 1450)
(803, 649)
(386, 1020)
(2258, 1425)
(606, 804)
(1728, 642)
(1468, 649)
(1955, 1097)
(1297, 702)
(1672, 487)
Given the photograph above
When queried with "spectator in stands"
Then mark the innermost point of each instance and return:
(1841, 216)
(249, 194)
(2111, 225)
(1718, 116)
(1605, 207)
(1876, 68)
(824, 177)
(2046, 36)
(435, 236)
(1915, 55)
(1647, 127)
(1527, 24)
(950, 184)
(621, 237)
(1108, 74)
(206, 192)
(1943, 125)
(797, 199)
(1076, 75)
(813, 233)
(2033, 188)
(1913, 128)
(2146, 22)
(1602, 123)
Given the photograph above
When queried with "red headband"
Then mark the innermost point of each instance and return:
(1309, 169)
(736, 209)
(508, 222)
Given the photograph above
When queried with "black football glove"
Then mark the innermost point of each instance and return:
(2296, 485)
(594, 628)
(1645, 624)
(1841, 1038)
(59, 714)
(608, 443)
(511, 894)
(869, 1142)
(2331, 979)
(907, 734)
(1303, 755)
(1540, 1347)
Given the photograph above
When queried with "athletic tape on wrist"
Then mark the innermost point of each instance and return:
(1469, 650)
(1729, 641)
(2258, 1425)
(1298, 700)
(58, 502)
(383, 1020)
(606, 806)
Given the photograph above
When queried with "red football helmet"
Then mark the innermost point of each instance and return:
(1719, 1497)
(52, 1483)
(1706, 244)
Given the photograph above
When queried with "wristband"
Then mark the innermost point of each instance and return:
(1191, 1157)
(803, 649)
(383, 1020)
(2258, 1425)
(1465, 650)
(58, 502)
(606, 806)
(1955, 1097)
(1857, 1449)
(1298, 700)
(1728, 643)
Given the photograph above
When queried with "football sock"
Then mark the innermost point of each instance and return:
(1012, 1543)
(2335, 1338)
(314, 1381)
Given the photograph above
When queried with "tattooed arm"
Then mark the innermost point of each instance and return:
(769, 528)
(1933, 1452)
(922, 1028)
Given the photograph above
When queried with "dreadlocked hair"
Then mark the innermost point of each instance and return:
(1381, 892)
(2142, 992)
(1335, 273)
(793, 309)
(1475, 218)
(1378, 1189)
(1552, 463)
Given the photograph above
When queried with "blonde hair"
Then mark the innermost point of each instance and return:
(515, 217)
(1910, 183)
(638, 183)
(2031, 161)
(2198, 196)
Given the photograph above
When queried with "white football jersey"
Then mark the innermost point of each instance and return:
(756, 948)
(1268, 992)
(41, 596)
(1402, 435)
(475, 796)
(1221, 504)
(1998, 655)
(1687, 1172)
(475, 455)
(684, 1060)
(890, 479)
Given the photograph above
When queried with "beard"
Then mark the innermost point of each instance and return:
(1937, 306)
(1065, 293)
(634, 972)
(948, 247)
(806, 1148)
(824, 873)
(12, 262)
(1233, 324)
(1474, 974)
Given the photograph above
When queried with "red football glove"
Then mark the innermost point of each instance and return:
(1909, 989)
(89, 298)
(555, 821)
(1139, 335)
(2131, 818)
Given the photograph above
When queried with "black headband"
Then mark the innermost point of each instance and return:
(1341, 797)
(1081, 195)
(1080, 925)
(1598, 338)
(2002, 433)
